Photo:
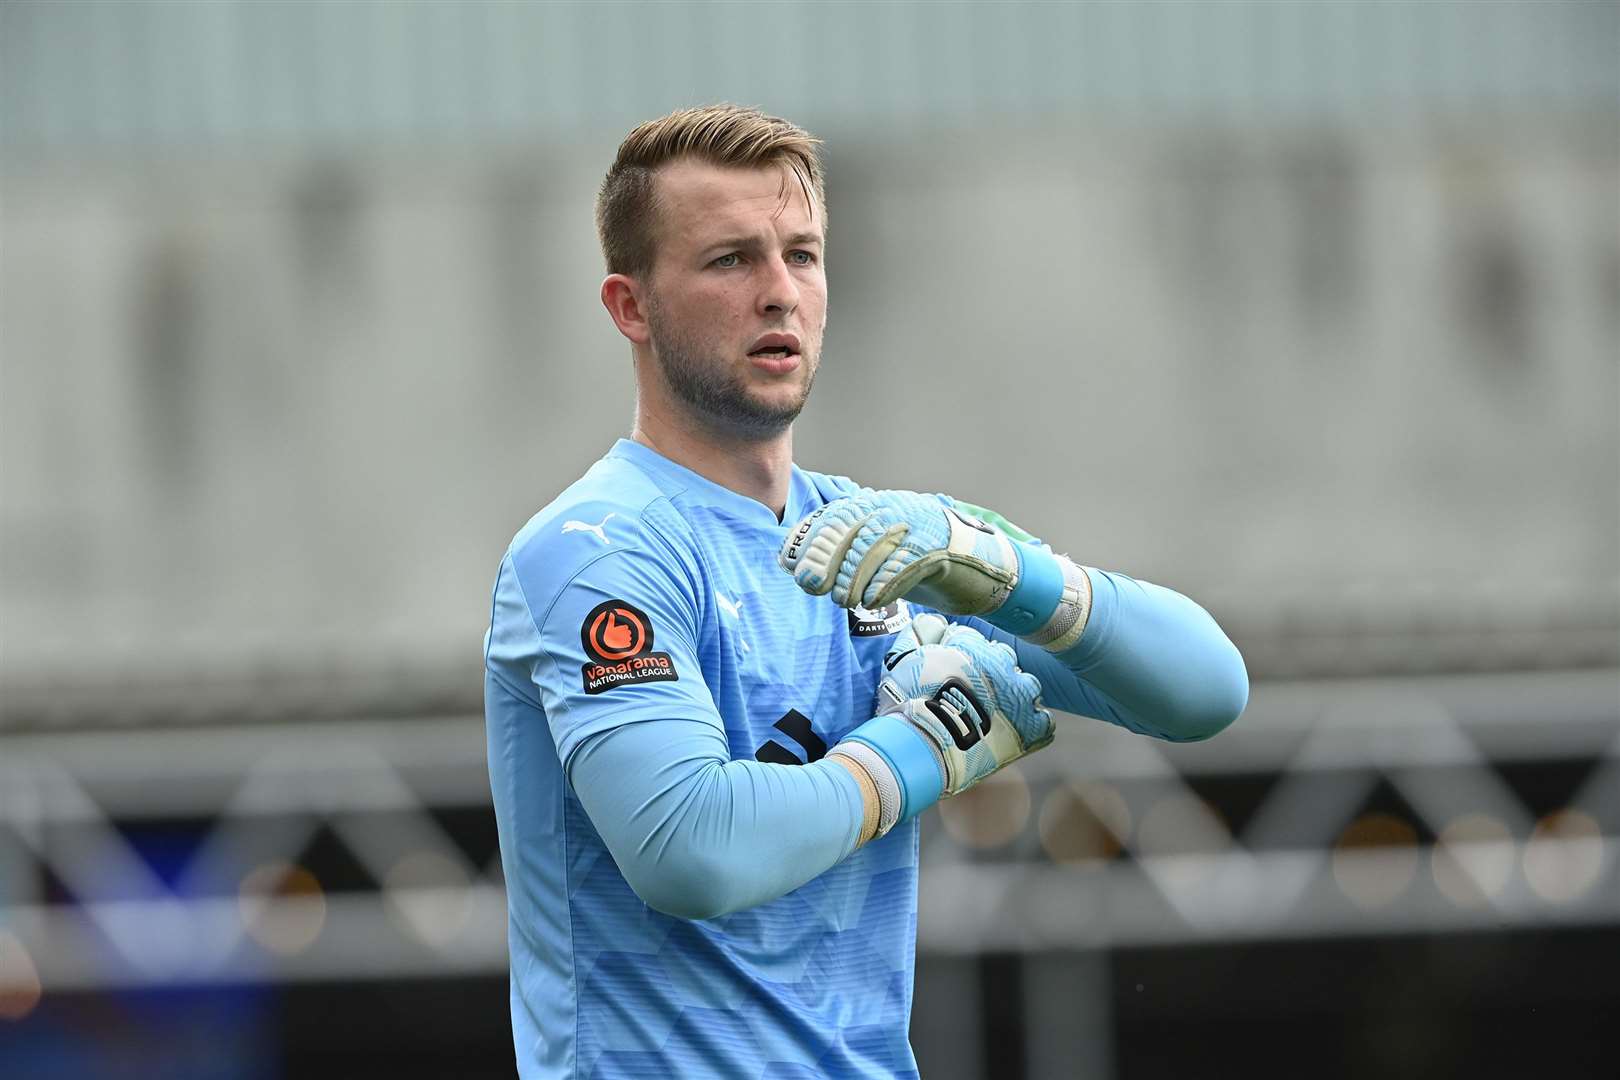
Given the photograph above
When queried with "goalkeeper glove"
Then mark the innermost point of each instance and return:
(953, 709)
(870, 549)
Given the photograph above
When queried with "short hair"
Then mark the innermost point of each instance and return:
(728, 135)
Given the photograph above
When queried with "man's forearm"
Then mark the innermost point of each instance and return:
(1127, 651)
(1102, 644)
(1130, 652)
(1150, 660)
(699, 836)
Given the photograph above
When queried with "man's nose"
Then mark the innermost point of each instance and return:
(779, 293)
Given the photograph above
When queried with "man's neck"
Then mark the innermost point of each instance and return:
(761, 469)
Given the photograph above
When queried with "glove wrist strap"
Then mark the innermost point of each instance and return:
(1050, 602)
(905, 754)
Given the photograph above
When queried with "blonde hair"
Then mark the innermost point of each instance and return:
(726, 135)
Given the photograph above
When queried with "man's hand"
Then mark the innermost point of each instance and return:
(870, 549)
(953, 709)
(967, 695)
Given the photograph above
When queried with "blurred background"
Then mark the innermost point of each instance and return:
(1312, 311)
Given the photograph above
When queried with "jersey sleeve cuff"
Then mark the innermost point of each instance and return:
(884, 782)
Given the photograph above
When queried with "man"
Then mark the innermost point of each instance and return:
(706, 771)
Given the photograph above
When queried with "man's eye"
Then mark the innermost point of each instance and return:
(725, 262)
(802, 258)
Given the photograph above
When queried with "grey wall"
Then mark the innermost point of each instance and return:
(1310, 310)
(292, 412)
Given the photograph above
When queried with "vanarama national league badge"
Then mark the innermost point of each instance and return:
(618, 639)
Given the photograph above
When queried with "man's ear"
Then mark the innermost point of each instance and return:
(624, 298)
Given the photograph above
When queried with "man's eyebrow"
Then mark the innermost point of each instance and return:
(746, 242)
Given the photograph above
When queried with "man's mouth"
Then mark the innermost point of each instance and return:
(775, 347)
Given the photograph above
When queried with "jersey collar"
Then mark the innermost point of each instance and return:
(802, 497)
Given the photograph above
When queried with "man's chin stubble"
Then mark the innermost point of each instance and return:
(722, 405)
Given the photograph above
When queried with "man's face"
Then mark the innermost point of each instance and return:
(737, 298)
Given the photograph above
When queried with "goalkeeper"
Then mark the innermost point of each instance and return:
(720, 689)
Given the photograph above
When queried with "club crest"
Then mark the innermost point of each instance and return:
(865, 622)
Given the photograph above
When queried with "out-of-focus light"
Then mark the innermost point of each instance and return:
(1375, 859)
(19, 979)
(1472, 859)
(283, 907)
(1085, 824)
(1182, 824)
(991, 812)
(427, 893)
(1108, 803)
(1564, 857)
(159, 938)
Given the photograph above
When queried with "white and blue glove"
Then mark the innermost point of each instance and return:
(870, 549)
(953, 709)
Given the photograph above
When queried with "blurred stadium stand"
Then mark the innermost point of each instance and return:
(298, 324)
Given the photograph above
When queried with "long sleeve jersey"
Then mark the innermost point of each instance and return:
(685, 897)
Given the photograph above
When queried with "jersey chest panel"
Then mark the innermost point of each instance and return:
(783, 666)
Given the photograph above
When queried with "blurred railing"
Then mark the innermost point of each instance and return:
(363, 849)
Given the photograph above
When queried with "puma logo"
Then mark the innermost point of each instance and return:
(580, 526)
(734, 609)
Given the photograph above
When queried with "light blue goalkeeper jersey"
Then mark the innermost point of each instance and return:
(684, 894)
(646, 592)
